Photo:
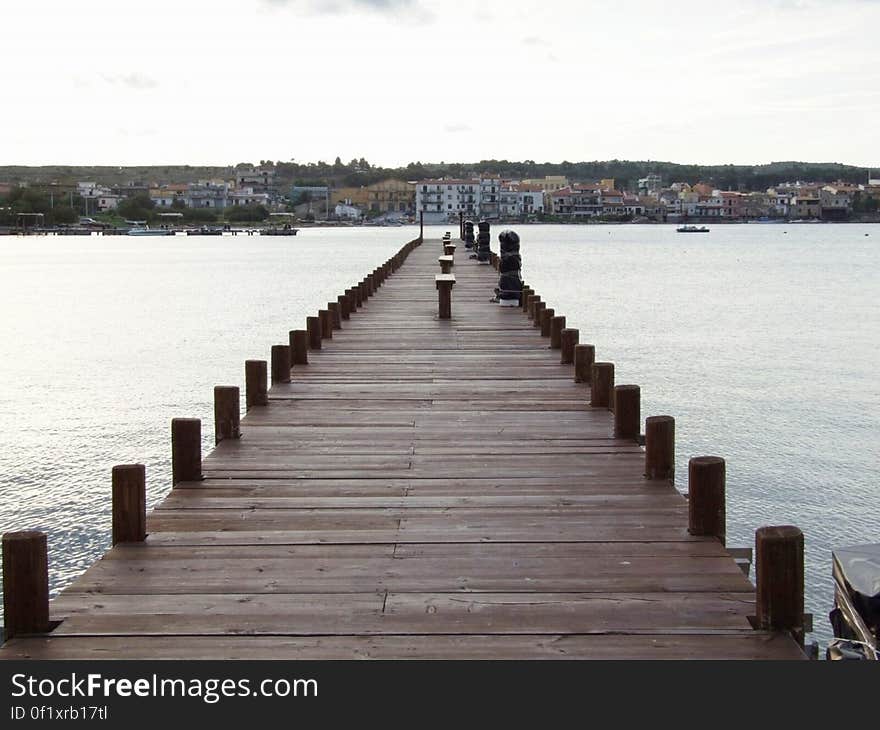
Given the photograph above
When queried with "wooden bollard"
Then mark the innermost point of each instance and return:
(313, 327)
(256, 388)
(627, 411)
(227, 413)
(660, 447)
(129, 484)
(533, 302)
(547, 315)
(371, 284)
(358, 296)
(299, 347)
(326, 323)
(524, 298)
(779, 568)
(186, 450)
(530, 305)
(569, 342)
(706, 497)
(344, 311)
(584, 357)
(557, 324)
(25, 583)
(601, 384)
(444, 283)
(336, 314)
(539, 307)
(280, 364)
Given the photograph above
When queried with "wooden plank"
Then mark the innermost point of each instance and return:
(754, 645)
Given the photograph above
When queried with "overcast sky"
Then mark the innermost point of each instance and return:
(221, 82)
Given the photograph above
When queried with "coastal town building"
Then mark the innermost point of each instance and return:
(650, 185)
(548, 183)
(259, 179)
(391, 196)
(520, 199)
(437, 200)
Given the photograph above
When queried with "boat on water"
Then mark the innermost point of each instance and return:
(147, 231)
(204, 231)
(692, 229)
(287, 230)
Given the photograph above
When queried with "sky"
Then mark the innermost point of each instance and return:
(218, 82)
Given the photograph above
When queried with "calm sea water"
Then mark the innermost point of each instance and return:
(762, 341)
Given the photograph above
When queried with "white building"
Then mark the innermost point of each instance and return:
(650, 185)
(247, 196)
(518, 200)
(207, 194)
(484, 198)
(490, 194)
(437, 200)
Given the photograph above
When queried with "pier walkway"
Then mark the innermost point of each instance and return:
(423, 488)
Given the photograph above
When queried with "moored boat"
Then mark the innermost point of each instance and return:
(691, 229)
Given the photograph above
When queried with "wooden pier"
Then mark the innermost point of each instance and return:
(423, 487)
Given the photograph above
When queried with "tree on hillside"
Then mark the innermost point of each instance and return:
(138, 207)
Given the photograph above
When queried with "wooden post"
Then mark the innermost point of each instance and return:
(129, 484)
(421, 226)
(534, 299)
(601, 384)
(779, 567)
(358, 297)
(25, 583)
(336, 314)
(627, 411)
(344, 311)
(186, 450)
(280, 364)
(326, 324)
(569, 342)
(256, 391)
(445, 283)
(584, 357)
(227, 413)
(313, 327)
(524, 298)
(299, 347)
(660, 447)
(706, 497)
(547, 315)
(557, 324)
(539, 307)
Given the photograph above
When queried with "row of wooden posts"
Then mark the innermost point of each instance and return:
(25, 553)
(779, 550)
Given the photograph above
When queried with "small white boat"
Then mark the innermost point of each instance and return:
(147, 231)
(692, 229)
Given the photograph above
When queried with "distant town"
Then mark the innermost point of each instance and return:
(257, 194)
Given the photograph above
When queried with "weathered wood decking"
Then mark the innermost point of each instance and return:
(423, 488)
